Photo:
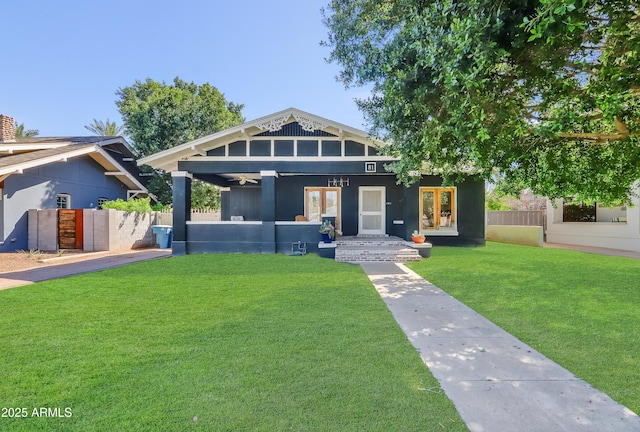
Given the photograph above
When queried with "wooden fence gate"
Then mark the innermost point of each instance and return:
(70, 225)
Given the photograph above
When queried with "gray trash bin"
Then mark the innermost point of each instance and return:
(164, 234)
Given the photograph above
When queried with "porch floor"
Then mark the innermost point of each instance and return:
(356, 249)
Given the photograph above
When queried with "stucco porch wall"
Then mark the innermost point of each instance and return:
(290, 232)
(246, 236)
(595, 234)
(224, 237)
(612, 235)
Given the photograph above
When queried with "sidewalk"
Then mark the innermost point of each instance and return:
(595, 250)
(496, 382)
(92, 262)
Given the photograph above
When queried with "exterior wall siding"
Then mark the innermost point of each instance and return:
(402, 208)
(37, 188)
(245, 201)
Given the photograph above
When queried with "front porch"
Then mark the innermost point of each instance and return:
(247, 237)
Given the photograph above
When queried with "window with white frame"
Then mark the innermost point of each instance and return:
(101, 201)
(63, 201)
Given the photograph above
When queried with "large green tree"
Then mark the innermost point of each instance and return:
(547, 92)
(159, 116)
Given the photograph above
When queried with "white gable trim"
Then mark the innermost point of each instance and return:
(168, 159)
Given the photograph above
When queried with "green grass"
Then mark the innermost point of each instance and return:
(243, 342)
(581, 310)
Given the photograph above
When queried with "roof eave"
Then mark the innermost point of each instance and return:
(88, 150)
(169, 157)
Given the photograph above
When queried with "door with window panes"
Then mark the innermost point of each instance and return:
(322, 202)
(372, 207)
(437, 208)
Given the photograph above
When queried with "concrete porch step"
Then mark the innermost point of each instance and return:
(371, 253)
(368, 241)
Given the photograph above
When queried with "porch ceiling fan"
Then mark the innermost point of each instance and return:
(243, 179)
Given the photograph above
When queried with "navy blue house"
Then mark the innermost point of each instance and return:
(59, 172)
(282, 174)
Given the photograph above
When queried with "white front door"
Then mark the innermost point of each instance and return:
(371, 205)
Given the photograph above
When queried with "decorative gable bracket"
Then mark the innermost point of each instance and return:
(306, 123)
(274, 124)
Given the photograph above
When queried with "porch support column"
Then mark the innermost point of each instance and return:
(268, 211)
(411, 209)
(225, 203)
(181, 210)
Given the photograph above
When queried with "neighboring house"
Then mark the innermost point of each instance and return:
(59, 172)
(594, 225)
(282, 174)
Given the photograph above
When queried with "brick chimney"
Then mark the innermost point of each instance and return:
(7, 129)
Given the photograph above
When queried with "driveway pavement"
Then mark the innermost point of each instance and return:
(496, 382)
(91, 263)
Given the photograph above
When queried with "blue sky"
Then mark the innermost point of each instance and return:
(64, 60)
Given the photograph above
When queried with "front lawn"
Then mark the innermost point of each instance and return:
(581, 310)
(213, 342)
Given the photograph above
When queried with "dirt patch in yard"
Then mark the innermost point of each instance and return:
(16, 261)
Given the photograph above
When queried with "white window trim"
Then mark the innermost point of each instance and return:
(68, 200)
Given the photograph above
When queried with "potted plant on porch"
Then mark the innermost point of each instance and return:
(417, 237)
(328, 231)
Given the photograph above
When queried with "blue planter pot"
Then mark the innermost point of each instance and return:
(326, 238)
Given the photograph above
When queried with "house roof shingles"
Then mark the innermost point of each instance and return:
(30, 152)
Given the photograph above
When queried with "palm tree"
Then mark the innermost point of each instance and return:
(21, 132)
(105, 129)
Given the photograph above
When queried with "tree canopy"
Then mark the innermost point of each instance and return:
(108, 128)
(547, 92)
(159, 116)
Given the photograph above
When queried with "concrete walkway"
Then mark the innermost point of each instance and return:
(496, 382)
(595, 250)
(89, 263)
